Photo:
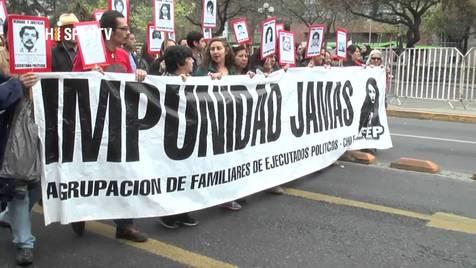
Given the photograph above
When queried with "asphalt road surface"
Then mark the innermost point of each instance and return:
(348, 215)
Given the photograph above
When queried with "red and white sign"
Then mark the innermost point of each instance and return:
(207, 33)
(341, 43)
(268, 37)
(286, 48)
(30, 48)
(315, 40)
(164, 15)
(91, 47)
(209, 13)
(240, 30)
(155, 38)
(121, 6)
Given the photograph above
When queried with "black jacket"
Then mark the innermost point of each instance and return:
(11, 91)
(61, 60)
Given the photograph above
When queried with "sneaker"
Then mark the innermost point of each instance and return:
(278, 190)
(131, 234)
(78, 227)
(24, 256)
(169, 222)
(233, 206)
(186, 220)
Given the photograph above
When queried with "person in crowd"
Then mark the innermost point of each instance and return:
(118, 61)
(178, 62)
(65, 51)
(130, 47)
(364, 52)
(300, 54)
(324, 59)
(219, 61)
(267, 65)
(197, 43)
(353, 56)
(182, 42)
(158, 67)
(242, 63)
(20, 195)
(375, 59)
(146, 59)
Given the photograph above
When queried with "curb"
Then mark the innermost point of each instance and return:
(415, 165)
(465, 118)
(358, 157)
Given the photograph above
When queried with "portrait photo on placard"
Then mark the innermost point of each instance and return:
(121, 6)
(171, 36)
(286, 48)
(156, 38)
(207, 33)
(91, 44)
(164, 15)
(315, 41)
(3, 14)
(341, 44)
(240, 29)
(29, 43)
(268, 37)
(209, 13)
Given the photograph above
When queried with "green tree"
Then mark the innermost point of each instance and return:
(408, 13)
(453, 20)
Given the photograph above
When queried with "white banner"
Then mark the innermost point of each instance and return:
(114, 148)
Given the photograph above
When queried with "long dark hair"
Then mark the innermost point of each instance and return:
(370, 107)
(229, 56)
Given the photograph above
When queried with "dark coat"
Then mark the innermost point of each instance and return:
(11, 91)
(61, 60)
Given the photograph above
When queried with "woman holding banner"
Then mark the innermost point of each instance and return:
(218, 61)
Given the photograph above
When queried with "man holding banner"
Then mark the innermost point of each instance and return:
(119, 62)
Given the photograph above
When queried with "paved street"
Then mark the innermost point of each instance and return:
(348, 215)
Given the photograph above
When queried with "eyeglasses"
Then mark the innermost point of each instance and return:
(376, 58)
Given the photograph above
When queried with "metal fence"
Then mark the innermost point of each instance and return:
(433, 73)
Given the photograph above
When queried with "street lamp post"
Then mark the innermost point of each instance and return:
(267, 10)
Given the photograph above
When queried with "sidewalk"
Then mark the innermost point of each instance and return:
(432, 110)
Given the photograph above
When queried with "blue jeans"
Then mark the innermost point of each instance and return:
(18, 215)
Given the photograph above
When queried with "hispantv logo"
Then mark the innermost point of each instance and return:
(68, 34)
